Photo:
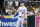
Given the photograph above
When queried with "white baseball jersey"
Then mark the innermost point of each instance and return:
(22, 11)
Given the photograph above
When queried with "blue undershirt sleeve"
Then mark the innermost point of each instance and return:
(16, 14)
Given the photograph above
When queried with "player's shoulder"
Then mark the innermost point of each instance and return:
(19, 7)
(22, 7)
(25, 7)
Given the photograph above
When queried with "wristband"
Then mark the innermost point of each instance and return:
(25, 19)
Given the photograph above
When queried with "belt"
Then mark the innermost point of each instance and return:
(20, 16)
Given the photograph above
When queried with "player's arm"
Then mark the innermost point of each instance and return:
(25, 23)
(15, 14)
(25, 13)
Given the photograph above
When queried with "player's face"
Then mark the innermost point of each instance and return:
(21, 4)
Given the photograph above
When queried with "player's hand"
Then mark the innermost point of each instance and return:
(25, 23)
(13, 17)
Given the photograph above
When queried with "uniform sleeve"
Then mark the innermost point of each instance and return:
(26, 10)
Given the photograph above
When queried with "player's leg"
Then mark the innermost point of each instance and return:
(18, 22)
(22, 22)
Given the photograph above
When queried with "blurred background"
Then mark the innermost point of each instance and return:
(9, 7)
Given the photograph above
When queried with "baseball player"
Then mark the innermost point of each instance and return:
(22, 14)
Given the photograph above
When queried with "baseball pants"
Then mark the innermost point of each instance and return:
(20, 21)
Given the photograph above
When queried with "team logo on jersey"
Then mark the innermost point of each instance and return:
(21, 10)
(22, 13)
